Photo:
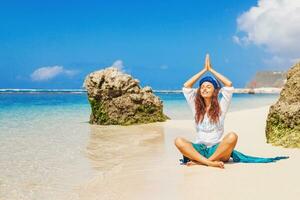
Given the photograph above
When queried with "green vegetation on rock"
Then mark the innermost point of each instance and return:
(279, 134)
(98, 111)
(283, 122)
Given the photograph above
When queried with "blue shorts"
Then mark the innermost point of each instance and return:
(202, 149)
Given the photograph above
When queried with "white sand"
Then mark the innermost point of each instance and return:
(146, 164)
(141, 162)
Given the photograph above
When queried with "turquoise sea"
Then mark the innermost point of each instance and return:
(21, 109)
(25, 106)
(44, 138)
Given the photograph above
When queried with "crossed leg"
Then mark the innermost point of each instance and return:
(187, 149)
(225, 148)
(222, 152)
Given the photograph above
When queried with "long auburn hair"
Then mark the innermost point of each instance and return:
(214, 110)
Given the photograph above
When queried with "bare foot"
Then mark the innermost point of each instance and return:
(190, 163)
(217, 164)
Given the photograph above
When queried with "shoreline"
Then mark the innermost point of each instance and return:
(261, 90)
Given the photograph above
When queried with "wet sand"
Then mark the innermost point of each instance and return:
(141, 162)
(93, 162)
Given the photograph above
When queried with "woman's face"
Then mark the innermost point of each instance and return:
(207, 89)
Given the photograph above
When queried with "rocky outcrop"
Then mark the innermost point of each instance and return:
(261, 79)
(283, 122)
(117, 98)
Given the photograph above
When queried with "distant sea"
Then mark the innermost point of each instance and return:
(15, 103)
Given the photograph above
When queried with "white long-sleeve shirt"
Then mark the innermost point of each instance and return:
(209, 133)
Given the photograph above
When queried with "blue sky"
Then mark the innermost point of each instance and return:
(161, 43)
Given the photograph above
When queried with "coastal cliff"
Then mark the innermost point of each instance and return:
(275, 79)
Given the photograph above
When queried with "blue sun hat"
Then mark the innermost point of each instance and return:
(212, 80)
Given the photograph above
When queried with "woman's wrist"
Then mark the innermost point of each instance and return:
(202, 71)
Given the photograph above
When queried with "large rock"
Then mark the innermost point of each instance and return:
(283, 122)
(117, 98)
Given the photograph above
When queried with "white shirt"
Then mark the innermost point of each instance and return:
(209, 133)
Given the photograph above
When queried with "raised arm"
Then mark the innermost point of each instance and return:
(222, 78)
(189, 83)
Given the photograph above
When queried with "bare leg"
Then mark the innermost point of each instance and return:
(186, 148)
(225, 148)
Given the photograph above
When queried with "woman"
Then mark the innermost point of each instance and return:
(209, 115)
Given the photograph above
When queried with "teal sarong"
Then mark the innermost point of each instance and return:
(235, 155)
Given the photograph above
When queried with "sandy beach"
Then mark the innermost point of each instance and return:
(144, 164)
(92, 162)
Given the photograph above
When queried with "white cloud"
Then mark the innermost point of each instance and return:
(236, 39)
(118, 64)
(273, 25)
(47, 73)
(281, 62)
